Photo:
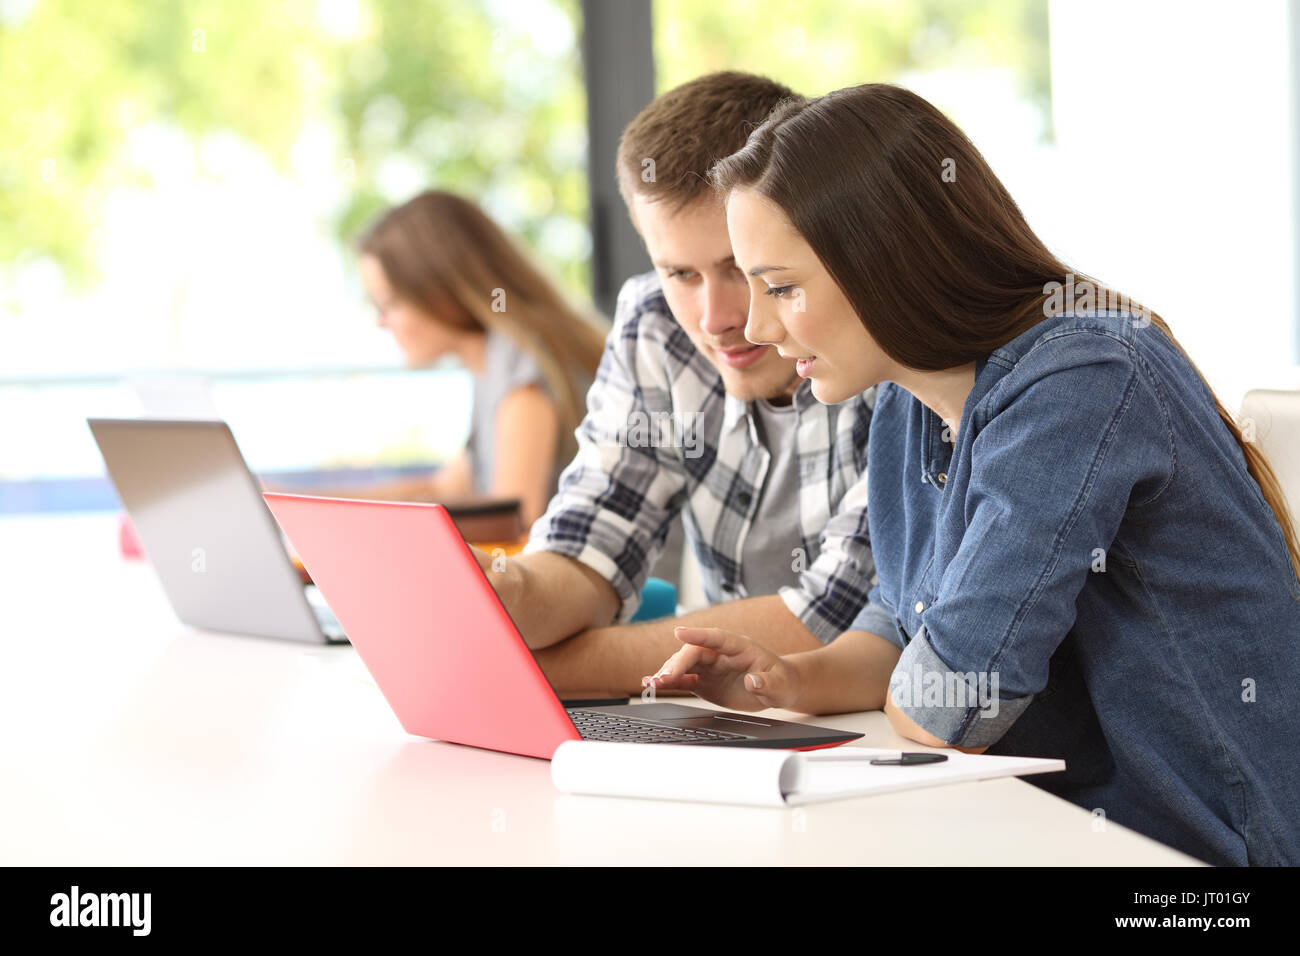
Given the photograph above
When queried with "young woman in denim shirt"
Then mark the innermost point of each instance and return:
(1077, 554)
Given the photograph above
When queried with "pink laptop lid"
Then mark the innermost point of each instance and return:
(426, 622)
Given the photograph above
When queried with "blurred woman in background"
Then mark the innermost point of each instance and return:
(446, 280)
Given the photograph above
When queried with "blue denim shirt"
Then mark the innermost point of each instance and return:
(1089, 572)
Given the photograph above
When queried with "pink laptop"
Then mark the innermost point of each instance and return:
(430, 629)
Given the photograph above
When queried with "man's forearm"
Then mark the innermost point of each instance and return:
(551, 596)
(616, 658)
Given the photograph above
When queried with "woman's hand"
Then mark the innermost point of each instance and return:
(728, 669)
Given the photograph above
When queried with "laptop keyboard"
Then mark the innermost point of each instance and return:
(594, 725)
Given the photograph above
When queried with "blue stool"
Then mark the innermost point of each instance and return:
(658, 599)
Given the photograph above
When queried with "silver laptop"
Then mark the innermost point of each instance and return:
(200, 516)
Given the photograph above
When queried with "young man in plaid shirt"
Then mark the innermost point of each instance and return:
(688, 417)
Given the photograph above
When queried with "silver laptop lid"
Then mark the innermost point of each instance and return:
(201, 519)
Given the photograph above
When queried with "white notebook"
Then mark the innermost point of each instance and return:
(761, 777)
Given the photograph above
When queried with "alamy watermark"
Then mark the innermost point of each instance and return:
(662, 430)
(1085, 295)
(76, 908)
(927, 688)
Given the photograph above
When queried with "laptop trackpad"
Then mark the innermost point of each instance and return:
(684, 716)
(736, 723)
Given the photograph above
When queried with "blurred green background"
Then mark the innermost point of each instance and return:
(181, 182)
(450, 92)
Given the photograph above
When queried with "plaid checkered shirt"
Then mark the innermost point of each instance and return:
(661, 436)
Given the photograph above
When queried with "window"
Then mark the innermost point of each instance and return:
(183, 187)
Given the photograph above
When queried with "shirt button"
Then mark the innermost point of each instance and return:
(920, 606)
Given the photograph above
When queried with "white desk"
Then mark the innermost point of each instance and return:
(128, 738)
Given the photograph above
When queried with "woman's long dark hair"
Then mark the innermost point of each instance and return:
(924, 240)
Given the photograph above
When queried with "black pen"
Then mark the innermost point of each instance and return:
(908, 758)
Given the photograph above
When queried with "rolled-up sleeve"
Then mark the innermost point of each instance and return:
(616, 498)
(1074, 438)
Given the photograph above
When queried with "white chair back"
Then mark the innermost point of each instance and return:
(1272, 418)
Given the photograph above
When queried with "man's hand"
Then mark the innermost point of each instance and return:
(728, 669)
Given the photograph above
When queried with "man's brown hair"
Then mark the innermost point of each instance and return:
(667, 151)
